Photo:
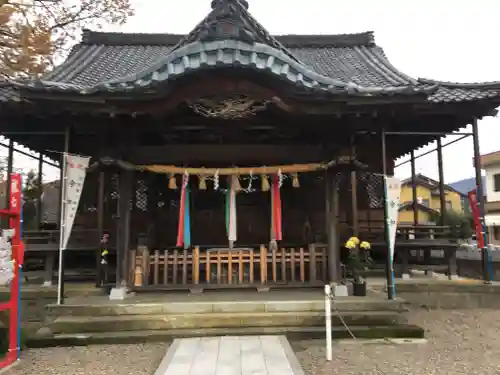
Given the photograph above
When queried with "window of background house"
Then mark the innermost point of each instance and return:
(425, 202)
(448, 205)
(496, 232)
(496, 182)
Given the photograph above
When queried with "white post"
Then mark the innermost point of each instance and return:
(62, 225)
(328, 322)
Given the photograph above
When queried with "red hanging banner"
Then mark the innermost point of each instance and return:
(474, 205)
(182, 203)
(276, 210)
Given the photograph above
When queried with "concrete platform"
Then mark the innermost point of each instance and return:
(166, 316)
(230, 355)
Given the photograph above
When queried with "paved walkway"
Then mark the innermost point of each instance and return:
(230, 355)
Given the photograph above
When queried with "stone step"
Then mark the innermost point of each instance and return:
(45, 339)
(74, 324)
(345, 304)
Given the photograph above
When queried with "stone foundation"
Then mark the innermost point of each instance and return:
(460, 294)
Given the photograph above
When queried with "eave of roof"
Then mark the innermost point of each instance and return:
(409, 206)
(229, 37)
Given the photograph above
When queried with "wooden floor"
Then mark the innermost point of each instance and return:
(230, 355)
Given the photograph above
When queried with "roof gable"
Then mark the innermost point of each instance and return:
(230, 19)
(428, 182)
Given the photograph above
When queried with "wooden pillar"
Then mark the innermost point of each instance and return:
(125, 185)
(100, 222)
(67, 135)
(354, 193)
(10, 164)
(389, 262)
(487, 273)
(332, 225)
(354, 204)
(442, 194)
(39, 205)
(414, 189)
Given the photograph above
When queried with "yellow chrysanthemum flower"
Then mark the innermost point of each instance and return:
(355, 240)
(350, 244)
(365, 245)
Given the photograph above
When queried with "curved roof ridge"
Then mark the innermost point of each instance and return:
(366, 38)
(232, 44)
(232, 53)
(379, 53)
(470, 85)
(90, 37)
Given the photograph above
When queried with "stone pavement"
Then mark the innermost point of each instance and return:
(230, 355)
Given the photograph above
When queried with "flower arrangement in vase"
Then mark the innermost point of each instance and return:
(357, 259)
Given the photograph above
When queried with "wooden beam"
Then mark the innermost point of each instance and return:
(234, 153)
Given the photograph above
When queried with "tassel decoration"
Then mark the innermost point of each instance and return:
(172, 183)
(184, 225)
(265, 183)
(203, 182)
(236, 183)
(231, 220)
(295, 180)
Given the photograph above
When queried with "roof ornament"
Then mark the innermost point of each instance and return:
(227, 108)
(225, 21)
(215, 3)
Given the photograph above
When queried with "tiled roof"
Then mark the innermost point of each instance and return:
(409, 206)
(229, 36)
(466, 185)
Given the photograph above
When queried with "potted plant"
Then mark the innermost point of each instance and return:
(357, 260)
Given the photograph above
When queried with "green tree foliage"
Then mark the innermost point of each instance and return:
(462, 223)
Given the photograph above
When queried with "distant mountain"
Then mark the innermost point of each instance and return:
(466, 185)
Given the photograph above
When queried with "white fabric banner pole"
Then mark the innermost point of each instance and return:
(392, 189)
(328, 322)
(62, 186)
(74, 172)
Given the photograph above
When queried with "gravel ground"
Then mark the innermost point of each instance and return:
(460, 342)
(141, 359)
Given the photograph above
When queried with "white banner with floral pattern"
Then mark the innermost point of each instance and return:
(74, 177)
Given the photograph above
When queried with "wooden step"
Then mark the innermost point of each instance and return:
(74, 324)
(45, 339)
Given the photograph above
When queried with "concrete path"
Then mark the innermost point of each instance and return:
(230, 355)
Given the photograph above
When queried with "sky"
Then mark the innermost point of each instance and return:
(442, 40)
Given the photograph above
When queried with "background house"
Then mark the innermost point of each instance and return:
(428, 203)
(464, 187)
(491, 164)
(49, 205)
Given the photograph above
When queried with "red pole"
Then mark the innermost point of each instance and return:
(15, 223)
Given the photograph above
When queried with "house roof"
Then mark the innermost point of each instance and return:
(466, 185)
(432, 184)
(409, 206)
(229, 36)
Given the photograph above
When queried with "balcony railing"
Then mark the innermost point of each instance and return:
(491, 207)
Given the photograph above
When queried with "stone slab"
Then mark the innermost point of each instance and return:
(230, 355)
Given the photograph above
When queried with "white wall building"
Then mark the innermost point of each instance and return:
(491, 164)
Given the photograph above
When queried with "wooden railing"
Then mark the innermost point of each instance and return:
(228, 268)
(418, 235)
(48, 240)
